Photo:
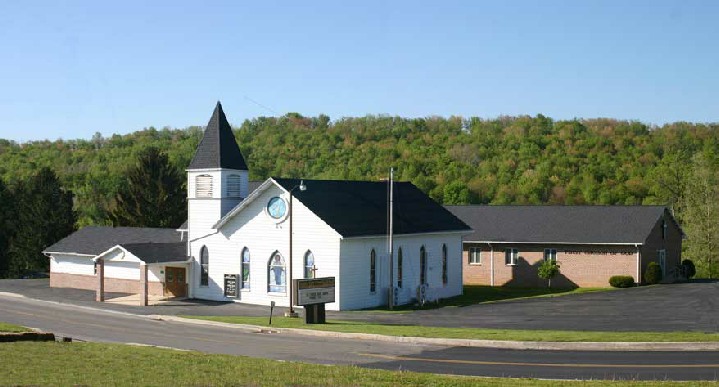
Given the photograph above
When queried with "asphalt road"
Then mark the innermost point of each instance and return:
(90, 324)
(690, 306)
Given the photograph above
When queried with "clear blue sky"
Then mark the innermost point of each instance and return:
(69, 69)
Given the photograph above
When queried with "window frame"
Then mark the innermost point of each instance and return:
(513, 255)
(550, 253)
(309, 269)
(234, 186)
(204, 267)
(372, 271)
(283, 274)
(474, 256)
(400, 270)
(204, 186)
(445, 269)
(662, 260)
(422, 265)
(245, 266)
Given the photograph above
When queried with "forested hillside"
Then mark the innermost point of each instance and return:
(521, 160)
(506, 160)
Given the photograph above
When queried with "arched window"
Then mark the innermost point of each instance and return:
(233, 186)
(309, 265)
(422, 266)
(203, 186)
(276, 279)
(399, 268)
(204, 267)
(372, 271)
(445, 279)
(245, 268)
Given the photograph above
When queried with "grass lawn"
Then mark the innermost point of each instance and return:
(476, 295)
(467, 333)
(479, 294)
(10, 328)
(95, 364)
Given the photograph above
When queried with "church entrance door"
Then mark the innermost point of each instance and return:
(175, 284)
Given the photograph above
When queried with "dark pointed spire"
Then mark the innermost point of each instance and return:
(218, 148)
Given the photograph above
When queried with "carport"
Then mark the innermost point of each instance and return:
(158, 269)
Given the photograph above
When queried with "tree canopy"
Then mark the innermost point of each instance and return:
(43, 216)
(456, 160)
(153, 194)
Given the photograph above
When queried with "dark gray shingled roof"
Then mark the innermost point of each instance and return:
(560, 224)
(158, 252)
(359, 208)
(218, 148)
(94, 240)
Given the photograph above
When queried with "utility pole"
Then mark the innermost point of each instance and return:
(391, 241)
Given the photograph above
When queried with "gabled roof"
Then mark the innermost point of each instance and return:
(251, 187)
(95, 240)
(218, 148)
(158, 252)
(359, 208)
(560, 224)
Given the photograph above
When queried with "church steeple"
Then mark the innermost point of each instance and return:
(218, 148)
(217, 178)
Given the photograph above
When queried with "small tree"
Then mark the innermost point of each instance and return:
(548, 270)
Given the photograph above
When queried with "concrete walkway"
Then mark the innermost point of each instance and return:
(134, 300)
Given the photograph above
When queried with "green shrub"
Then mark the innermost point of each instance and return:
(653, 274)
(621, 281)
(688, 268)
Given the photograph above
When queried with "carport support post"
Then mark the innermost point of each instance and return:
(143, 284)
(100, 273)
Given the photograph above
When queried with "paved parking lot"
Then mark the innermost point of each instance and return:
(675, 307)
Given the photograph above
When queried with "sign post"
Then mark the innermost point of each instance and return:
(313, 294)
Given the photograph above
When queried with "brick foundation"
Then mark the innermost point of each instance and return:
(112, 285)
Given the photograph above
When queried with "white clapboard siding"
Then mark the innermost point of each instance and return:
(354, 288)
(255, 229)
(154, 275)
(204, 211)
(355, 269)
(72, 264)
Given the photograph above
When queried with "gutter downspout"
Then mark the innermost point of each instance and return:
(491, 265)
(639, 265)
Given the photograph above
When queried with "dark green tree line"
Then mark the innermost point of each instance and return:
(7, 215)
(43, 215)
(456, 160)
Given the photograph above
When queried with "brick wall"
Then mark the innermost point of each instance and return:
(580, 265)
(112, 285)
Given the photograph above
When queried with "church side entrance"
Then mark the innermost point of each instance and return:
(175, 284)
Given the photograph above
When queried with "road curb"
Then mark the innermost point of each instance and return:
(497, 344)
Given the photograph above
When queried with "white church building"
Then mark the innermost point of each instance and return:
(246, 245)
